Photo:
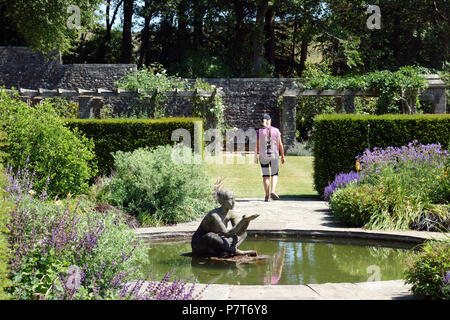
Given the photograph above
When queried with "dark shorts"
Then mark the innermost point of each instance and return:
(269, 166)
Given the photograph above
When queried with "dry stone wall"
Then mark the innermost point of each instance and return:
(245, 99)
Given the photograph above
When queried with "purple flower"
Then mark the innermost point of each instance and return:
(446, 278)
(340, 180)
(413, 154)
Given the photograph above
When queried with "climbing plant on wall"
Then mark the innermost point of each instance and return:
(398, 91)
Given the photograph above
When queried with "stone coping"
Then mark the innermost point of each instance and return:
(306, 217)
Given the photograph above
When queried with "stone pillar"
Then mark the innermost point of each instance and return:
(338, 101)
(439, 101)
(348, 102)
(288, 121)
(84, 112)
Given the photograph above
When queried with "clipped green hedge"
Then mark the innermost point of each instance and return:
(339, 138)
(111, 135)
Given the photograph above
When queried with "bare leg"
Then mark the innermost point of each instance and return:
(266, 181)
(274, 183)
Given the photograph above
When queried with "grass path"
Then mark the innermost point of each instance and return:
(295, 177)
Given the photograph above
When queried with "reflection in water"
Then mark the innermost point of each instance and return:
(292, 262)
(273, 274)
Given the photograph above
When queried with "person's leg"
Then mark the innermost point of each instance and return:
(266, 182)
(274, 179)
(265, 169)
(274, 183)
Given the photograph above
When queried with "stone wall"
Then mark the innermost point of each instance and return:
(20, 67)
(245, 99)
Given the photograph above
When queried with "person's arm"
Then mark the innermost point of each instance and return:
(242, 225)
(281, 147)
(216, 225)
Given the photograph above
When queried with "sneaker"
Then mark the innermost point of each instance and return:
(274, 196)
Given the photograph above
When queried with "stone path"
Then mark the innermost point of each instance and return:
(305, 217)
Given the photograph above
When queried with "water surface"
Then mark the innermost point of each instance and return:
(290, 261)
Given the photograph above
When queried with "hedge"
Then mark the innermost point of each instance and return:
(5, 207)
(111, 135)
(339, 138)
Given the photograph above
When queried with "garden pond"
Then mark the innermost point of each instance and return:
(290, 261)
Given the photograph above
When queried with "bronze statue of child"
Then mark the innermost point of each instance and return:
(212, 239)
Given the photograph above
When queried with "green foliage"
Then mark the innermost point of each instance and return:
(5, 207)
(152, 84)
(398, 91)
(354, 204)
(200, 63)
(43, 24)
(211, 109)
(338, 139)
(111, 135)
(63, 107)
(53, 150)
(157, 189)
(428, 269)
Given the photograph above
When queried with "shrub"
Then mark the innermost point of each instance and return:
(429, 273)
(339, 139)
(355, 204)
(63, 107)
(112, 135)
(149, 184)
(70, 251)
(409, 180)
(38, 137)
(152, 80)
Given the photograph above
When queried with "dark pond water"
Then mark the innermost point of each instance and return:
(290, 261)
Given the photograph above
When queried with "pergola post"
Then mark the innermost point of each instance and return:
(84, 112)
(288, 121)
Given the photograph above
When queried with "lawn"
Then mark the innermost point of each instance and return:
(295, 177)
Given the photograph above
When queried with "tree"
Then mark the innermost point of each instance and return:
(109, 21)
(127, 37)
(48, 25)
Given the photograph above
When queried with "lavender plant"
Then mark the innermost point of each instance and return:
(340, 180)
(69, 251)
(414, 156)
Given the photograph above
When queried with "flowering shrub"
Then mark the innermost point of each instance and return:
(69, 251)
(413, 155)
(340, 180)
(412, 188)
